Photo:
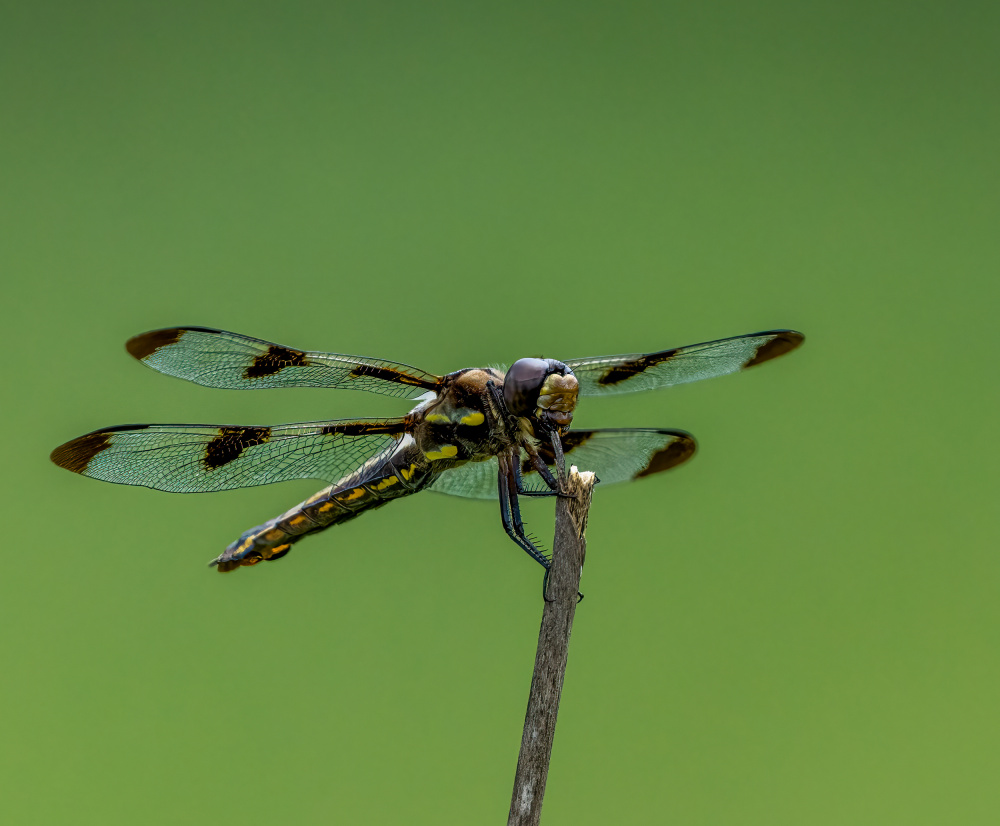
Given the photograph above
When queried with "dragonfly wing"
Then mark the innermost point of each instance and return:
(606, 375)
(473, 480)
(199, 458)
(618, 455)
(216, 358)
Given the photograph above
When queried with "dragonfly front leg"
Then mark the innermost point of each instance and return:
(544, 472)
(557, 482)
(557, 451)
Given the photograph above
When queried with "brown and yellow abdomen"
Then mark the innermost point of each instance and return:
(396, 478)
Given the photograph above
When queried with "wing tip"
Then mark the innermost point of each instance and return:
(142, 346)
(677, 451)
(145, 344)
(781, 342)
(76, 455)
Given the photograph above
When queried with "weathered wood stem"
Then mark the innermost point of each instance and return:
(568, 553)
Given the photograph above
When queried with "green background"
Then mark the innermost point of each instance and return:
(799, 627)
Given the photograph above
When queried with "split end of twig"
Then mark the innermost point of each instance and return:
(576, 507)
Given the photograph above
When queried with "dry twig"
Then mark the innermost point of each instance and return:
(568, 553)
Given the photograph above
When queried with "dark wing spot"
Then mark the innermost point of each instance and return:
(785, 341)
(627, 369)
(675, 453)
(366, 428)
(276, 359)
(570, 442)
(388, 374)
(229, 445)
(76, 455)
(620, 372)
(144, 345)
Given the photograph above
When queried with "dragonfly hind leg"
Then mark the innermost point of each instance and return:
(510, 512)
(508, 482)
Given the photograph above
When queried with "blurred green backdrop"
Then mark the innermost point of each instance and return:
(801, 626)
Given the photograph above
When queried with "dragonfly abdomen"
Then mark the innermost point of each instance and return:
(331, 506)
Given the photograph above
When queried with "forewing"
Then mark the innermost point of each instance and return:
(618, 455)
(215, 358)
(197, 458)
(605, 375)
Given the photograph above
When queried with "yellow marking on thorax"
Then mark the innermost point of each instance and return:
(437, 418)
(472, 419)
(443, 452)
(407, 472)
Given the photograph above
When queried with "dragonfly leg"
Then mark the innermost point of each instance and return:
(539, 466)
(557, 449)
(510, 513)
(545, 473)
(499, 406)
(508, 478)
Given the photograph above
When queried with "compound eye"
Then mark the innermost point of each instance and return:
(523, 383)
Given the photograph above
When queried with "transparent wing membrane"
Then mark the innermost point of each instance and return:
(606, 375)
(198, 458)
(614, 455)
(216, 358)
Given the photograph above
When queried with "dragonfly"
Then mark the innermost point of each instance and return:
(480, 432)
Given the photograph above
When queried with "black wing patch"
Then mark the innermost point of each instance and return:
(215, 358)
(618, 455)
(197, 458)
(606, 375)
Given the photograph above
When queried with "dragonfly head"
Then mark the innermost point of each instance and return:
(545, 389)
